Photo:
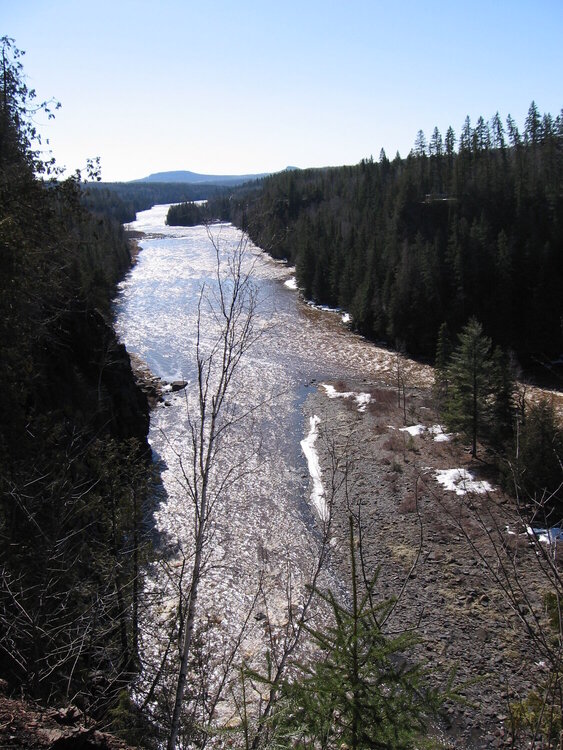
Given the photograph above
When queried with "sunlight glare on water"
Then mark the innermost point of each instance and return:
(264, 525)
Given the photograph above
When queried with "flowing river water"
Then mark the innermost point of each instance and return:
(265, 527)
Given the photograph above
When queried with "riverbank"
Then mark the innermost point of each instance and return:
(436, 535)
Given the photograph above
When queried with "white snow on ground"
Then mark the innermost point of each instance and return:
(543, 536)
(416, 429)
(437, 430)
(346, 317)
(308, 448)
(361, 399)
(461, 481)
(291, 283)
(546, 536)
(442, 437)
(439, 435)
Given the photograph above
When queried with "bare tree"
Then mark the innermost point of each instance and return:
(232, 304)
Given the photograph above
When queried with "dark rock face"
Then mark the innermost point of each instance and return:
(126, 403)
(95, 379)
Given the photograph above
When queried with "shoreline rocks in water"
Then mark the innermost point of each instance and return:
(151, 385)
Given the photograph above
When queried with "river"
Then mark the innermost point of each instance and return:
(265, 529)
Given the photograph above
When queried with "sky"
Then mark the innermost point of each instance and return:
(240, 87)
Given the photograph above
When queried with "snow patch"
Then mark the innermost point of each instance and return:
(461, 481)
(291, 283)
(437, 430)
(346, 317)
(546, 536)
(362, 399)
(310, 453)
(440, 436)
(415, 429)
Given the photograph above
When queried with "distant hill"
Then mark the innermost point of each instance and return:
(194, 178)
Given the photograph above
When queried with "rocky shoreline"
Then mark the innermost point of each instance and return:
(436, 551)
(153, 387)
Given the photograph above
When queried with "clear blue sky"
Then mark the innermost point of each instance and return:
(233, 87)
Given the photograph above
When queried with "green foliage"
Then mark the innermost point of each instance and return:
(19, 138)
(539, 462)
(441, 362)
(360, 691)
(187, 215)
(479, 398)
(541, 712)
(538, 714)
(73, 451)
(405, 245)
(470, 382)
(122, 200)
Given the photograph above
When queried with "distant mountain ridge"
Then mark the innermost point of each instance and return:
(194, 178)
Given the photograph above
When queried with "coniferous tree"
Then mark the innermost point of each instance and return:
(73, 431)
(470, 378)
(539, 462)
(481, 227)
(359, 693)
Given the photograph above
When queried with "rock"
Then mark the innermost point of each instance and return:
(178, 385)
(67, 716)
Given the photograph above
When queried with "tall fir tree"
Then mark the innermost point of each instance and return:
(359, 693)
(470, 378)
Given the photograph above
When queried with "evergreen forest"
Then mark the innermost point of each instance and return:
(122, 200)
(73, 449)
(468, 225)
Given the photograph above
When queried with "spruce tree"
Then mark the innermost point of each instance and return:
(359, 693)
(470, 378)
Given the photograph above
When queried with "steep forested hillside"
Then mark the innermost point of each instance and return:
(468, 226)
(122, 200)
(72, 431)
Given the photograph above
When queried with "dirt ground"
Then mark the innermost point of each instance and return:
(25, 724)
(449, 558)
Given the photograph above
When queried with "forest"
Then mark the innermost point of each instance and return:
(122, 200)
(74, 456)
(452, 254)
(465, 226)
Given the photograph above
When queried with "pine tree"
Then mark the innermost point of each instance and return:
(539, 457)
(470, 377)
(503, 404)
(360, 693)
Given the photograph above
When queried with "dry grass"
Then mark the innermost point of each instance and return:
(405, 554)
(384, 401)
(408, 503)
(395, 443)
